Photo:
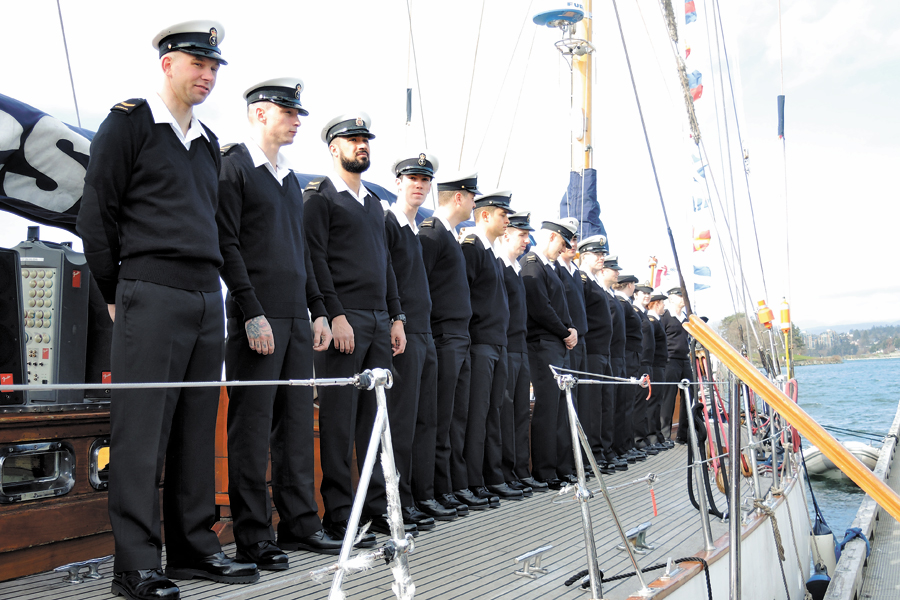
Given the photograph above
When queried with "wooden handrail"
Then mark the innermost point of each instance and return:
(796, 416)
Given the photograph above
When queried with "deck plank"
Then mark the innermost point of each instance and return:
(473, 557)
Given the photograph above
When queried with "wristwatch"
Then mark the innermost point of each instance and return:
(401, 317)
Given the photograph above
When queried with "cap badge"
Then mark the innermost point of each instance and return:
(213, 36)
(297, 93)
(360, 122)
(422, 159)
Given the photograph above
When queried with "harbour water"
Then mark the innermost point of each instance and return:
(858, 395)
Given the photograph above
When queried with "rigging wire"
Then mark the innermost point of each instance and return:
(737, 124)
(462, 144)
(68, 62)
(787, 237)
(516, 110)
(503, 83)
(412, 42)
(687, 301)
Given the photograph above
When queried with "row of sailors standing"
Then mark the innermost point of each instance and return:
(164, 215)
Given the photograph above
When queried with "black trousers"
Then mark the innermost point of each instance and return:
(515, 418)
(624, 435)
(642, 409)
(595, 397)
(548, 401)
(578, 362)
(347, 414)
(483, 447)
(412, 415)
(676, 370)
(453, 383)
(611, 415)
(654, 427)
(164, 334)
(280, 417)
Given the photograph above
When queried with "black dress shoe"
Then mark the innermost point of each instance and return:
(607, 468)
(338, 529)
(380, 524)
(471, 500)
(527, 492)
(266, 555)
(534, 484)
(414, 516)
(555, 484)
(650, 451)
(628, 458)
(483, 493)
(504, 491)
(146, 584)
(570, 478)
(436, 510)
(638, 454)
(319, 542)
(449, 501)
(215, 567)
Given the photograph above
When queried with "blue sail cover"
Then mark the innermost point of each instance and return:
(580, 201)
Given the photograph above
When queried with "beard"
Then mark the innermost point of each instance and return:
(358, 165)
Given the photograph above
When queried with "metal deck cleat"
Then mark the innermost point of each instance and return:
(532, 562)
(637, 537)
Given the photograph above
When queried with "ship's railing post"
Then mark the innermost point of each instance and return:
(738, 397)
(404, 589)
(567, 382)
(698, 467)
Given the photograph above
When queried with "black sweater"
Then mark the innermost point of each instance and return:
(648, 343)
(676, 337)
(596, 302)
(267, 267)
(518, 311)
(490, 306)
(349, 251)
(661, 349)
(451, 308)
(633, 335)
(149, 206)
(574, 299)
(545, 297)
(412, 283)
(617, 341)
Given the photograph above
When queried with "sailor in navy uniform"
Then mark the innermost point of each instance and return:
(596, 301)
(148, 224)
(678, 366)
(413, 410)
(272, 293)
(550, 335)
(577, 357)
(451, 310)
(487, 329)
(655, 309)
(344, 223)
(642, 294)
(515, 414)
(623, 442)
(609, 275)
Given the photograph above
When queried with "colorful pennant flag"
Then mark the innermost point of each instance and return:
(690, 13)
(701, 240)
(695, 81)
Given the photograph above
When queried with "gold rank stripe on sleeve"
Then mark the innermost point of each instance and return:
(429, 222)
(531, 258)
(470, 239)
(126, 106)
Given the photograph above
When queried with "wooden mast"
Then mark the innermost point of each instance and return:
(582, 69)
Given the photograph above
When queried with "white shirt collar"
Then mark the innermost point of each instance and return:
(162, 114)
(446, 223)
(622, 295)
(680, 316)
(494, 248)
(545, 260)
(401, 218)
(279, 172)
(340, 186)
(511, 263)
(591, 276)
(570, 266)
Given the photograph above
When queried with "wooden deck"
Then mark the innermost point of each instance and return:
(473, 557)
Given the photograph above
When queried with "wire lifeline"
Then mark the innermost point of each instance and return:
(462, 144)
(412, 42)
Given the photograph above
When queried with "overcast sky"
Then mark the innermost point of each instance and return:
(841, 79)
